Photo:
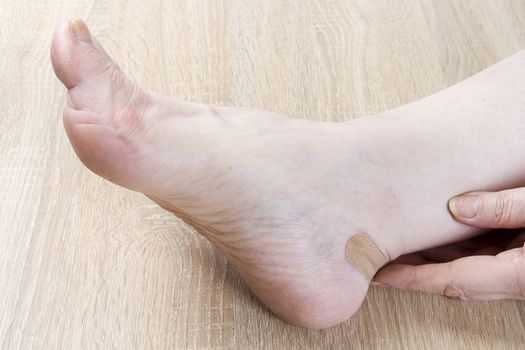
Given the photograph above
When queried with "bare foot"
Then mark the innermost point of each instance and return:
(279, 197)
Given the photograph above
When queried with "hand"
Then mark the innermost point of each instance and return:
(488, 267)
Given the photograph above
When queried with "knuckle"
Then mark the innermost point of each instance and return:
(413, 281)
(455, 291)
(503, 209)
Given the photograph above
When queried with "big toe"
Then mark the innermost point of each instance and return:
(76, 55)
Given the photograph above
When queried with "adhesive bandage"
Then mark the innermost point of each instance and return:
(364, 255)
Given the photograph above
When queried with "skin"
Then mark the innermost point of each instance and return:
(280, 197)
(486, 268)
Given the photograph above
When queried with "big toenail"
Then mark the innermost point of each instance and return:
(81, 31)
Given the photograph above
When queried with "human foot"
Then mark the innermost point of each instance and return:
(240, 177)
(281, 197)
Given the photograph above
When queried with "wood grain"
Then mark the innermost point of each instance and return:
(85, 264)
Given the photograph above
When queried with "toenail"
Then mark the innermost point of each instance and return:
(465, 206)
(81, 31)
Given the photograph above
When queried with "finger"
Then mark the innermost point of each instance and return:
(504, 209)
(471, 278)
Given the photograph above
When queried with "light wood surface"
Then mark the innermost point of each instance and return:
(86, 264)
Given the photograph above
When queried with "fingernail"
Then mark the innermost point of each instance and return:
(81, 31)
(378, 284)
(375, 283)
(451, 293)
(465, 206)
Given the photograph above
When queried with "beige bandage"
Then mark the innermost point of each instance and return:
(364, 255)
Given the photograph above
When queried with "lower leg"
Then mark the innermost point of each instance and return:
(467, 137)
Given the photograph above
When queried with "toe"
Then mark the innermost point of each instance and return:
(98, 96)
(95, 82)
(76, 55)
(106, 113)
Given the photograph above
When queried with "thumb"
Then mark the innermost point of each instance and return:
(480, 277)
(504, 209)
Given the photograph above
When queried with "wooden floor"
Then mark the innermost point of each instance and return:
(85, 264)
